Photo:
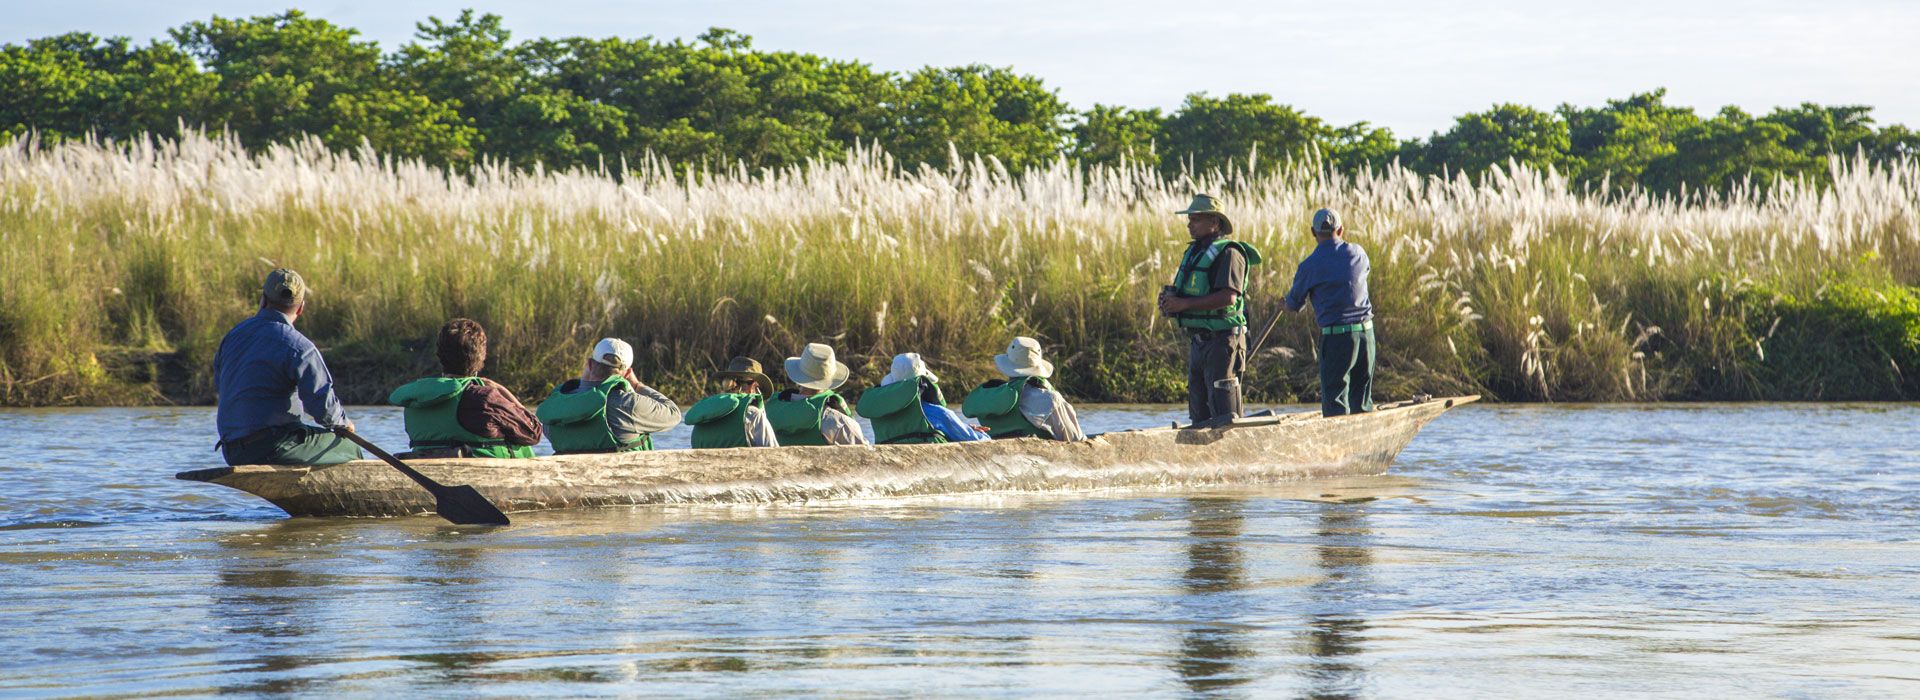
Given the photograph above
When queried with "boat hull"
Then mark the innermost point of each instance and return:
(1251, 450)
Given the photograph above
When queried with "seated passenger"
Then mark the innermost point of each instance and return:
(735, 417)
(606, 409)
(908, 408)
(1023, 404)
(811, 413)
(265, 373)
(460, 414)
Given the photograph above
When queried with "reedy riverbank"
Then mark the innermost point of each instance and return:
(123, 265)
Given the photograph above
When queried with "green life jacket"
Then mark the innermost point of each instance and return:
(720, 420)
(796, 421)
(896, 415)
(997, 405)
(433, 418)
(1195, 279)
(577, 420)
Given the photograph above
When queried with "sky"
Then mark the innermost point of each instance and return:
(1409, 65)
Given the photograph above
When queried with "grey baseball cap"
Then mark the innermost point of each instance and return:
(284, 287)
(1326, 221)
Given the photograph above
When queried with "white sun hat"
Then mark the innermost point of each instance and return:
(1022, 359)
(816, 368)
(907, 365)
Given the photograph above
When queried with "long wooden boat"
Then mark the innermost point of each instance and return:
(1248, 450)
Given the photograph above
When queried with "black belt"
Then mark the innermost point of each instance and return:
(1203, 334)
(254, 436)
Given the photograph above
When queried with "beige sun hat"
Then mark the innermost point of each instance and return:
(816, 368)
(907, 365)
(1208, 204)
(1022, 359)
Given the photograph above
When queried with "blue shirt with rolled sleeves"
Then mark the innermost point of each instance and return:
(1334, 277)
(265, 372)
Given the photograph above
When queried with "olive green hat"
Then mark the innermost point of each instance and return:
(1206, 204)
(749, 369)
(284, 287)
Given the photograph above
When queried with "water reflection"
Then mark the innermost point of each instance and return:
(267, 603)
(1211, 655)
(1336, 628)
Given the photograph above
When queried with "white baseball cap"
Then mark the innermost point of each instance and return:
(613, 352)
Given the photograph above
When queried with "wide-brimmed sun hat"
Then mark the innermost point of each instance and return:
(1206, 204)
(749, 369)
(816, 368)
(907, 365)
(1022, 359)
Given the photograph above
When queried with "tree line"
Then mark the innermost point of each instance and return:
(463, 92)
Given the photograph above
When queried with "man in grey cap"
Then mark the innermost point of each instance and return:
(1208, 301)
(1334, 278)
(262, 367)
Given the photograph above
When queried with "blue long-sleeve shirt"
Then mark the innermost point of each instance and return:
(1334, 277)
(261, 367)
(950, 424)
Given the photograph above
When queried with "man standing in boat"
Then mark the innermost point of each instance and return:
(1208, 301)
(1334, 278)
(262, 366)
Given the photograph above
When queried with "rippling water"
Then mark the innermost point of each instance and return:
(1667, 550)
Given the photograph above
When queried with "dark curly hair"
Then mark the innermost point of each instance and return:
(462, 347)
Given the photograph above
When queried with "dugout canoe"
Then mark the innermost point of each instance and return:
(1247, 451)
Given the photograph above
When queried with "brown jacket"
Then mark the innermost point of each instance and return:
(491, 411)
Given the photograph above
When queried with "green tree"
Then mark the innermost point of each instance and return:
(1107, 135)
(718, 100)
(1816, 130)
(1615, 143)
(1723, 151)
(1892, 143)
(1488, 139)
(471, 63)
(979, 110)
(76, 84)
(1209, 133)
(286, 75)
(1361, 145)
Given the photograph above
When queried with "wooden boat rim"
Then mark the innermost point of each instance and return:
(215, 473)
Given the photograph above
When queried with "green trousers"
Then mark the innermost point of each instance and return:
(292, 444)
(1346, 373)
(1214, 365)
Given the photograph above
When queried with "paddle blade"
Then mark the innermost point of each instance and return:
(462, 505)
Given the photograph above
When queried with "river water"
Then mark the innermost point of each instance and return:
(1746, 550)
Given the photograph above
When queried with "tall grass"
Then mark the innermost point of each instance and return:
(123, 264)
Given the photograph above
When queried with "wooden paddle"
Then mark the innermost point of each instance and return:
(1277, 313)
(460, 505)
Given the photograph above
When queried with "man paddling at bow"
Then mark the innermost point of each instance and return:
(1334, 278)
(262, 367)
(1208, 301)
